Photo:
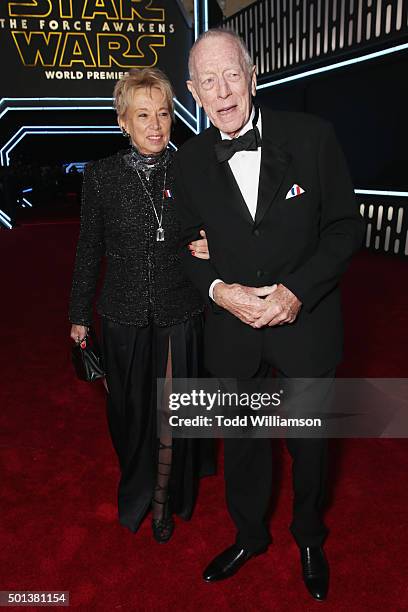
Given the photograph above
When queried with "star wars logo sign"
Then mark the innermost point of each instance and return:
(78, 38)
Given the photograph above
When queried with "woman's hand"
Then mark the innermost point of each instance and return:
(78, 333)
(199, 248)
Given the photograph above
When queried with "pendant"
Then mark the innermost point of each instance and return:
(160, 234)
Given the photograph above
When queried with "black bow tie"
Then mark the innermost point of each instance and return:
(250, 141)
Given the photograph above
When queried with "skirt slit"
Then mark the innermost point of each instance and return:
(134, 358)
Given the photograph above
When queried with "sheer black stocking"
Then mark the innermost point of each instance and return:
(162, 520)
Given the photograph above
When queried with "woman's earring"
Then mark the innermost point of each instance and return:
(124, 132)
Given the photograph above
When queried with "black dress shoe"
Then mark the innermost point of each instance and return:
(227, 563)
(315, 571)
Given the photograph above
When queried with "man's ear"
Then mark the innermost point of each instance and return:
(193, 92)
(253, 81)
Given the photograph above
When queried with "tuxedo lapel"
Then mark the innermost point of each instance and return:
(274, 164)
(224, 186)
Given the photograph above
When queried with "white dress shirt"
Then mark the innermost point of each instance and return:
(245, 166)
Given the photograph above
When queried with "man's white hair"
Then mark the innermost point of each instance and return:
(218, 32)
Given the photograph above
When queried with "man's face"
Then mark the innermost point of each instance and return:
(221, 83)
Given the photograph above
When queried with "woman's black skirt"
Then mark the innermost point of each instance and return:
(134, 357)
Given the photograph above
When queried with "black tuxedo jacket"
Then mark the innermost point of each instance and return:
(304, 242)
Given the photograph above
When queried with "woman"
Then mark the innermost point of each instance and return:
(151, 314)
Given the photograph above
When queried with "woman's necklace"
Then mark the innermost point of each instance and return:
(160, 230)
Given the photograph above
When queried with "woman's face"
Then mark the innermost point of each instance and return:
(148, 121)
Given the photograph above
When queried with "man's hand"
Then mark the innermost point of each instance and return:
(281, 306)
(199, 248)
(243, 302)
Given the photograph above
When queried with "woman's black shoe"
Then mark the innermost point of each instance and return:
(163, 527)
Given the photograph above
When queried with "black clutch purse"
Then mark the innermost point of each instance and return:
(87, 359)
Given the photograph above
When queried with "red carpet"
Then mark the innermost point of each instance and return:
(58, 525)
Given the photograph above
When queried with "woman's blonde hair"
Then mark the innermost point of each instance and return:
(141, 78)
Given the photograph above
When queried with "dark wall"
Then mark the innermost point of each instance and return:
(71, 147)
(368, 105)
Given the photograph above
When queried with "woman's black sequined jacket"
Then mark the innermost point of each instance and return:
(144, 280)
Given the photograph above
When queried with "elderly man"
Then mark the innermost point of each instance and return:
(274, 195)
